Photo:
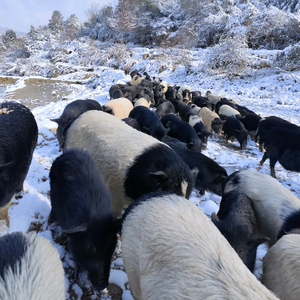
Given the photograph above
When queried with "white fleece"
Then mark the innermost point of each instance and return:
(171, 250)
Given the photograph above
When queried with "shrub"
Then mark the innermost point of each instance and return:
(230, 56)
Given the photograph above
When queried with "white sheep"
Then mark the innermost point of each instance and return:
(213, 98)
(228, 111)
(171, 250)
(281, 268)
(30, 268)
(131, 162)
(211, 120)
(120, 107)
(142, 102)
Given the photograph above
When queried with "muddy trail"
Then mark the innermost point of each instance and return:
(34, 92)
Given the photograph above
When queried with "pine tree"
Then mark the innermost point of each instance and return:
(9, 37)
(56, 22)
(72, 26)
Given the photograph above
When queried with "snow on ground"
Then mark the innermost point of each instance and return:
(265, 91)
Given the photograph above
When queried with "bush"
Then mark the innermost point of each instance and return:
(273, 29)
(289, 58)
(230, 56)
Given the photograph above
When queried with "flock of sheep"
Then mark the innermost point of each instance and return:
(142, 150)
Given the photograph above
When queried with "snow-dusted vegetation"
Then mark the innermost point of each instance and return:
(244, 49)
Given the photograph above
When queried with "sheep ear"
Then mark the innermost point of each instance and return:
(146, 130)
(79, 228)
(214, 217)
(3, 167)
(167, 125)
(167, 130)
(258, 239)
(56, 120)
(190, 145)
(159, 177)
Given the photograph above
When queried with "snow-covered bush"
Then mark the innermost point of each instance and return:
(231, 55)
(289, 58)
(9, 37)
(72, 27)
(117, 56)
(273, 29)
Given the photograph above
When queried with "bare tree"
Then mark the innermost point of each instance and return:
(126, 19)
(93, 13)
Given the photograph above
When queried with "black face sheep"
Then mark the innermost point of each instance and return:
(244, 111)
(148, 122)
(135, 72)
(132, 122)
(171, 92)
(117, 94)
(184, 110)
(234, 128)
(272, 202)
(196, 122)
(81, 206)
(178, 253)
(203, 102)
(183, 131)
(281, 268)
(268, 124)
(131, 163)
(210, 175)
(72, 111)
(165, 108)
(30, 268)
(236, 220)
(19, 133)
(114, 88)
(211, 120)
(224, 101)
(195, 94)
(283, 145)
(194, 108)
(250, 122)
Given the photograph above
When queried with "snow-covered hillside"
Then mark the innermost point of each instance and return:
(267, 91)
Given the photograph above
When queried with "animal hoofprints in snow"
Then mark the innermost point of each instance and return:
(131, 163)
(19, 132)
(281, 268)
(81, 206)
(236, 220)
(178, 253)
(120, 107)
(30, 268)
(71, 111)
(272, 202)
